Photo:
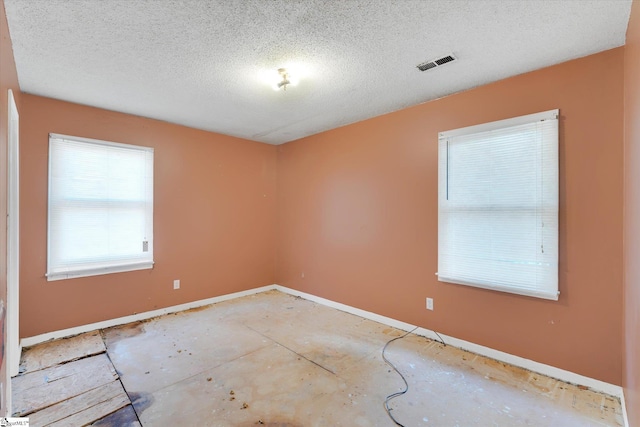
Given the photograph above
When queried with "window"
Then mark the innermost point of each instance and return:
(498, 205)
(100, 207)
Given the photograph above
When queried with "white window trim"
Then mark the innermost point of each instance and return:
(97, 271)
(486, 127)
(100, 268)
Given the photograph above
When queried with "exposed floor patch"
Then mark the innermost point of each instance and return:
(276, 360)
(61, 351)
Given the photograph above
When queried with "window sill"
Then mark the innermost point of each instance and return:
(536, 293)
(98, 271)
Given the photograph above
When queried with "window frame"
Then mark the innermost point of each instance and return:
(549, 167)
(103, 266)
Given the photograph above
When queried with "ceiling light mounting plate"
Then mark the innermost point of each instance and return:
(284, 76)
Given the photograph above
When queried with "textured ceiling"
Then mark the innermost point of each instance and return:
(202, 63)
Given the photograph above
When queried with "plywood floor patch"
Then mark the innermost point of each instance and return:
(94, 413)
(84, 408)
(61, 351)
(40, 389)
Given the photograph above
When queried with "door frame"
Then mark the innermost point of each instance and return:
(13, 240)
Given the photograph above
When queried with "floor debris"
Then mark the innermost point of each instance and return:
(311, 365)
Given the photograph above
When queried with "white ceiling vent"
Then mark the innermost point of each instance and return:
(438, 62)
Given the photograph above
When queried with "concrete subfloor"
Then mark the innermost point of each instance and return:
(277, 360)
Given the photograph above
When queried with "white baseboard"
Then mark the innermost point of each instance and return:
(541, 368)
(37, 339)
(531, 365)
(347, 308)
(624, 410)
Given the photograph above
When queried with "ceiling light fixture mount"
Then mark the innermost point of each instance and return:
(284, 76)
(284, 79)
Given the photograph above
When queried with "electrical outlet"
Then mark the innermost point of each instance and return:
(176, 284)
(429, 303)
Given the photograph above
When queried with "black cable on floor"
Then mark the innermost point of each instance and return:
(406, 385)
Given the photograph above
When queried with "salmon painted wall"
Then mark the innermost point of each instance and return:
(357, 218)
(631, 376)
(214, 218)
(8, 80)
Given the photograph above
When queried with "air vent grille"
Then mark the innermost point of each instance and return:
(436, 62)
(427, 66)
(444, 60)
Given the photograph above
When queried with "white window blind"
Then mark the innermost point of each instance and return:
(100, 207)
(498, 205)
